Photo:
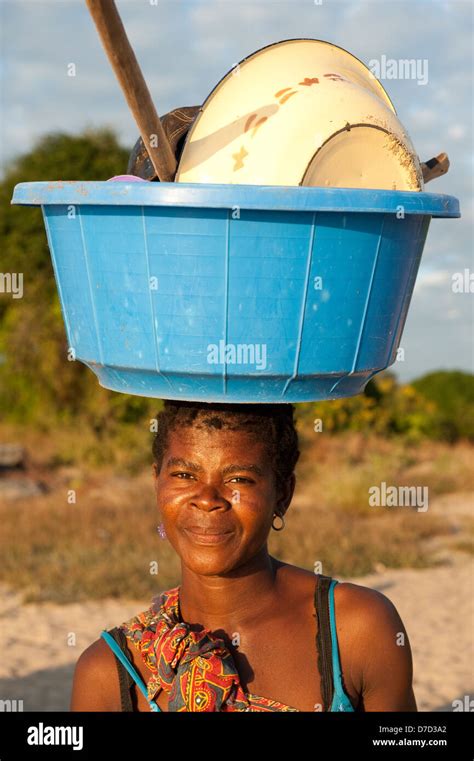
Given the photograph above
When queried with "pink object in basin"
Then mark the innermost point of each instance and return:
(126, 178)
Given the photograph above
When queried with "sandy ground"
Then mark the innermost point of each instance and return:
(43, 641)
(436, 606)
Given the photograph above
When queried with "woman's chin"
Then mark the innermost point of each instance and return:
(209, 560)
(208, 563)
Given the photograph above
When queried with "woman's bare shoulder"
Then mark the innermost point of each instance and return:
(366, 606)
(357, 601)
(95, 684)
(381, 656)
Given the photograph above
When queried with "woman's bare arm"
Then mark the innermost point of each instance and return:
(95, 686)
(382, 657)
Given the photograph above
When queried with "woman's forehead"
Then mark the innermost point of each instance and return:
(199, 430)
(191, 438)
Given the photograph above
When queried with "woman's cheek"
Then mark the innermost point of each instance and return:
(253, 515)
(173, 496)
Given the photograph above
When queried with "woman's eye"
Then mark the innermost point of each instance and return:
(189, 475)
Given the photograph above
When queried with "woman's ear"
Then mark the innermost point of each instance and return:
(286, 494)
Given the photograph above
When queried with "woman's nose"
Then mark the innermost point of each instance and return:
(210, 497)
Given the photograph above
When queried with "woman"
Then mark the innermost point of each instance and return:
(242, 631)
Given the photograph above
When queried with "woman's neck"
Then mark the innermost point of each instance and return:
(233, 601)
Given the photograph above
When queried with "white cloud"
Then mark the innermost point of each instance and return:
(422, 117)
(432, 279)
(457, 131)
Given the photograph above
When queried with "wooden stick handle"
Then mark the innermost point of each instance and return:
(435, 167)
(127, 70)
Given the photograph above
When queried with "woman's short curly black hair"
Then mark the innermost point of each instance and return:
(272, 423)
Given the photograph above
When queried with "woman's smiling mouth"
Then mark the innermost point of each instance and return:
(207, 536)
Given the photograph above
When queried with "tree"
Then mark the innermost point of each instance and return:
(453, 393)
(37, 382)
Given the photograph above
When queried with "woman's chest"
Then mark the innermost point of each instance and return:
(278, 662)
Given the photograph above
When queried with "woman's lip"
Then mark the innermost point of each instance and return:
(207, 538)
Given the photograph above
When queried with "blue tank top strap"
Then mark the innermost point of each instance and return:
(131, 670)
(341, 701)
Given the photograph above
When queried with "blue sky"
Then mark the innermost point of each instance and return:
(185, 48)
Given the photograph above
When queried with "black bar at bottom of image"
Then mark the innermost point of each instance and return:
(375, 735)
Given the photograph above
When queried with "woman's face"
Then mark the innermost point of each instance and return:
(217, 495)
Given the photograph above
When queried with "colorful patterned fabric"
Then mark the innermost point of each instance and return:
(195, 668)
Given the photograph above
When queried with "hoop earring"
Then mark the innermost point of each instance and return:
(277, 515)
(161, 531)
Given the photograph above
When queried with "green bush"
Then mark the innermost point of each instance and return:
(437, 406)
(452, 391)
(38, 385)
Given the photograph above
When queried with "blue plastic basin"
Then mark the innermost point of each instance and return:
(234, 293)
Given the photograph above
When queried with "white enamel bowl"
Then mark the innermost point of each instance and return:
(300, 112)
